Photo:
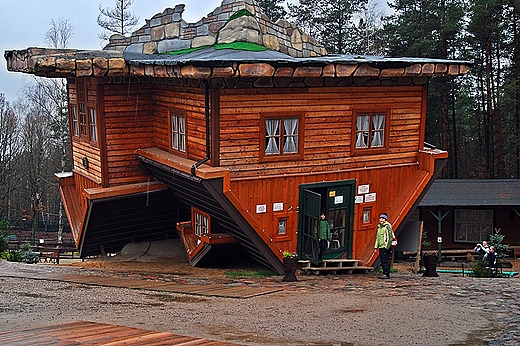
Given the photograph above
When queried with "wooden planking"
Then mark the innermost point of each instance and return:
(190, 100)
(269, 190)
(95, 333)
(328, 125)
(127, 107)
(241, 291)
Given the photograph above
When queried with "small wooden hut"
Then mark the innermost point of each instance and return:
(236, 133)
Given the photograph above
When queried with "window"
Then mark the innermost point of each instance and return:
(282, 226)
(75, 122)
(178, 131)
(82, 119)
(92, 122)
(472, 226)
(281, 136)
(83, 114)
(370, 131)
(367, 217)
(201, 222)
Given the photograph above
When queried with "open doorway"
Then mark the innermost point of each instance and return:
(336, 200)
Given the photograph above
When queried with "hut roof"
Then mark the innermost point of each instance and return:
(473, 193)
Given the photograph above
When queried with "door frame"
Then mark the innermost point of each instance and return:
(323, 188)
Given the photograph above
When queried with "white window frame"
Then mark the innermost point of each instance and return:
(178, 131)
(472, 225)
(370, 130)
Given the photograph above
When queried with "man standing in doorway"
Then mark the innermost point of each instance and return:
(383, 244)
(324, 235)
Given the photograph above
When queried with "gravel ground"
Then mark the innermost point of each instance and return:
(335, 310)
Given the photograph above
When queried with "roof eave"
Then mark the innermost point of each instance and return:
(54, 63)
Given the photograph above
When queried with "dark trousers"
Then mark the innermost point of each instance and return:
(323, 246)
(384, 257)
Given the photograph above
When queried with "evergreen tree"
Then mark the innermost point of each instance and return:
(433, 29)
(331, 22)
(273, 9)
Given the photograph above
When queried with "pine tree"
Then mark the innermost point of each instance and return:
(330, 21)
(273, 9)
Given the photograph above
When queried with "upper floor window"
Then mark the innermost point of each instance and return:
(370, 131)
(281, 136)
(178, 130)
(83, 114)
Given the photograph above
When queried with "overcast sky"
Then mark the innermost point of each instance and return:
(25, 22)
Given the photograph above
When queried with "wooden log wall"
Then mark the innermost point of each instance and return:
(129, 123)
(328, 114)
(328, 127)
(192, 102)
(81, 148)
(387, 183)
(133, 116)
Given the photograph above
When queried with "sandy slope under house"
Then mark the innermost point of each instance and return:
(236, 133)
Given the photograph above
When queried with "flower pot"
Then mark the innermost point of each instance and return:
(290, 264)
(430, 265)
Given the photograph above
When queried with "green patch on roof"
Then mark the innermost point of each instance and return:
(241, 46)
(252, 47)
(239, 14)
(183, 51)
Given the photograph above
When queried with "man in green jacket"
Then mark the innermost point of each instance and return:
(383, 243)
(324, 235)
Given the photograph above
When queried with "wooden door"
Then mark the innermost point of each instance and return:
(310, 204)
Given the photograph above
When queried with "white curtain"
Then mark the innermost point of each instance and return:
(272, 127)
(182, 141)
(290, 135)
(175, 132)
(362, 127)
(378, 130)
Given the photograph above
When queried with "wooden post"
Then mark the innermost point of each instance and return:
(417, 266)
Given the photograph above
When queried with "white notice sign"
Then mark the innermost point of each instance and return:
(362, 189)
(277, 206)
(338, 200)
(370, 197)
(261, 208)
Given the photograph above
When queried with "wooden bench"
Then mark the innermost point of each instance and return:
(515, 250)
(49, 255)
(459, 254)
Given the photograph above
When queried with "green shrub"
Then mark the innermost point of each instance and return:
(480, 270)
(25, 254)
(13, 255)
(496, 240)
(4, 235)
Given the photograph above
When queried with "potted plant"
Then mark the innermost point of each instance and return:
(430, 261)
(290, 264)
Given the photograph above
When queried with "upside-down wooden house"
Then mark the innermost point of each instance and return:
(235, 133)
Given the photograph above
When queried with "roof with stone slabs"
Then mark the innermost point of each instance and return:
(236, 40)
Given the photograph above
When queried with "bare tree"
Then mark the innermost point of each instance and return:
(36, 157)
(59, 34)
(117, 20)
(8, 150)
(368, 32)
